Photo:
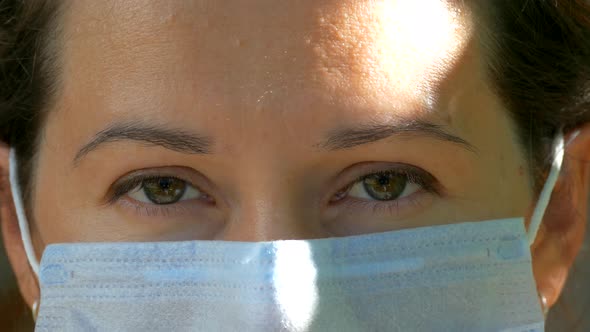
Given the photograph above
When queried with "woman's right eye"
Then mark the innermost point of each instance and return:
(165, 190)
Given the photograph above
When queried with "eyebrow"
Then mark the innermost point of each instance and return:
(170, 138)
(369, 133)
(185, 142)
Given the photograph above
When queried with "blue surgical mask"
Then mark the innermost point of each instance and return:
(472, 276)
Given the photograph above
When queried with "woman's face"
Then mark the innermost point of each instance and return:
(263, 120)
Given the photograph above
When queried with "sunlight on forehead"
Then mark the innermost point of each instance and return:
(418, 41)
(425, 31)
(400, 48)
(264, 55)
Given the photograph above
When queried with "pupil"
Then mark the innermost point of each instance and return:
(164, 190)
(384, 180)
(385, 187)
(165, 184)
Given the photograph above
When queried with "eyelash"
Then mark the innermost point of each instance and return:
(124, 187)
(121, 189)
(421, 178)
(425, 180)
(413, 175)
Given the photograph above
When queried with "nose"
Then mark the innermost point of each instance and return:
(267, 216)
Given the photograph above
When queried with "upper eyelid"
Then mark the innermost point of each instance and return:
(424, 186)
(133, 179)
(349, 176)
(371, 169)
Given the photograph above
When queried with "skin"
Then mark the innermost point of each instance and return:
(266, 81)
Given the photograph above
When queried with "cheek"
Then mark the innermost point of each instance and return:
(52, 210)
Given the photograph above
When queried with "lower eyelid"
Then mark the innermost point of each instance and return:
(409, 183)
(396, 207)
(182, 208)
(190, 190)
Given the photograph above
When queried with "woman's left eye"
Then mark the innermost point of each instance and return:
(386, 186)
(164, 190)
(383, 187)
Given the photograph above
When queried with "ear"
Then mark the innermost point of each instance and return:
(562, 232)
(27, 281)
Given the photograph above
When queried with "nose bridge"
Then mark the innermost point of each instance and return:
(268, 209)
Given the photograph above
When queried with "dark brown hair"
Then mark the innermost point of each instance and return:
(538, 62)
(27, 77)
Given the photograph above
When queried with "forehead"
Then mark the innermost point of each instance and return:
(248, 54)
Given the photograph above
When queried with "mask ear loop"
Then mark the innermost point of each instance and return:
(20, 213)
(545, 196)
(35, 310)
